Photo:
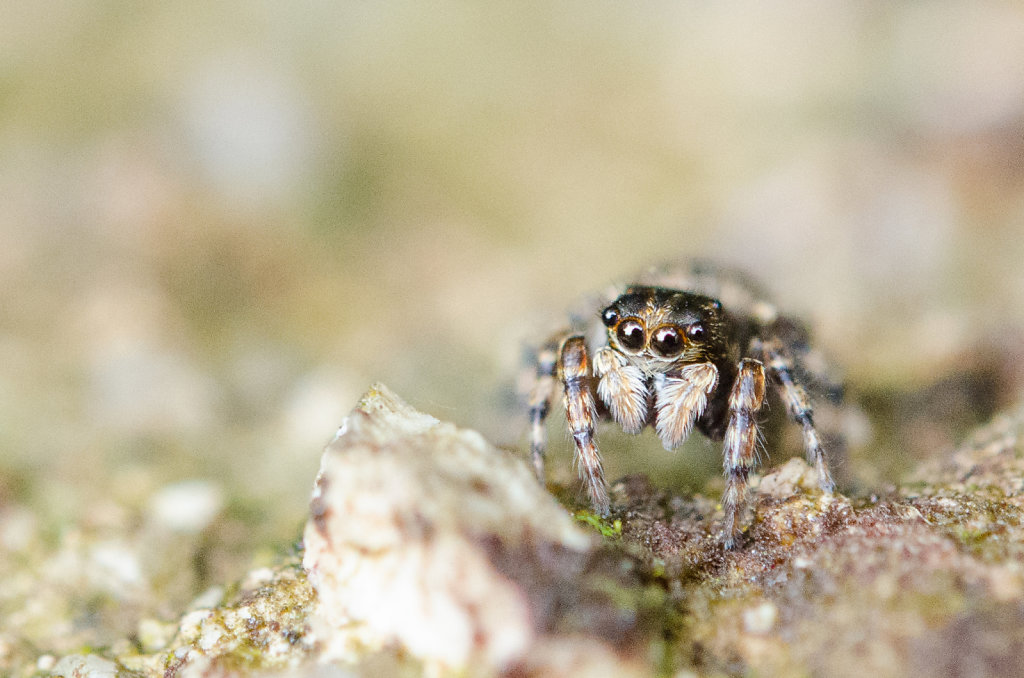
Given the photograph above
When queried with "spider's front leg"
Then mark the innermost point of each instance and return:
(800, 410)
(581, 413)
(740, 445)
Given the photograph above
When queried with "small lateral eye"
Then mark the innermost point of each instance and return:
(631, 334)
(667, 341)
(610, 316)
(695, 331)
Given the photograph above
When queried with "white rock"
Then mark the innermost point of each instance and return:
(761, 618)
(188, 506)
(403, 510)
(84, 666)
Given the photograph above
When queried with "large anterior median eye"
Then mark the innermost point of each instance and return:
(630, 334)
(667, 341)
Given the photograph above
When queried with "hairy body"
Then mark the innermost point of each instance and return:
(680, 349)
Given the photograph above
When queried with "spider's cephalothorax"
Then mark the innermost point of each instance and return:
(677, 350)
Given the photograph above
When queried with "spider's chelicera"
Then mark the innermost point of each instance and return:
(678, 350)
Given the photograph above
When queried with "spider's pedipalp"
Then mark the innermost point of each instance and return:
(540, 405)
(740, 446)
(580, 413)
(681, 398)
(622, 388)
(800, 410)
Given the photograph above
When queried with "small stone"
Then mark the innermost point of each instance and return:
(187, 506)
(261, 576)
(116, 567)
(211, 597)
(760, 619)
(154, 635)
(786, 480)
(84, 666)
(210, 636)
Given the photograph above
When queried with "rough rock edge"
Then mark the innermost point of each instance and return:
(426, 536)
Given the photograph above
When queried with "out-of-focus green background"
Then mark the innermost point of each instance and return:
(220, 222)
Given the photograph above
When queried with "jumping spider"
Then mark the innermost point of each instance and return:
(676, 350)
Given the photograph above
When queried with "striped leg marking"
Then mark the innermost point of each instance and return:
(740, 446)
(581, 412)
(799, 406)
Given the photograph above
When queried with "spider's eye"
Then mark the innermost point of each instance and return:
(610, 316)
(667, 341)
(695, 331)
(631, 334)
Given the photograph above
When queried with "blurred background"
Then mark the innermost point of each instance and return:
(221, 222)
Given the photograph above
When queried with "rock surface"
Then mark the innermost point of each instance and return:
(430, 552)
(428, 537)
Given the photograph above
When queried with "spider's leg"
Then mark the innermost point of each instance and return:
(814, 372)
(681, 398)
(580, 413)
(740, 445)
(622, 388)
(540, 405)
(800, 410)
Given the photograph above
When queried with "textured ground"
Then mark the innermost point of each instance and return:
(429, 550)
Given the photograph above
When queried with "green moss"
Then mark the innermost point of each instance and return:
(610, 529)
